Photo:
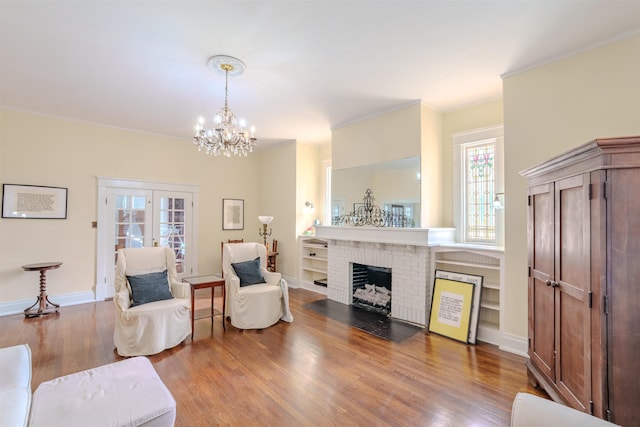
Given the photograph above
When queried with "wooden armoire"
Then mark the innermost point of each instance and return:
(584, 278)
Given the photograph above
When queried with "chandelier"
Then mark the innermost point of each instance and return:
(228, 135)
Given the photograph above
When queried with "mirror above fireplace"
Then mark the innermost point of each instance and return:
(395, 185)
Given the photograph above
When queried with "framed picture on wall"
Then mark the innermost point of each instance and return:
(232, 214)
(34, 202)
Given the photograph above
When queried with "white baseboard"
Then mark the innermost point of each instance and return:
(15, 307)
(301, 284)
(514, 344)
(314, 288)
(291, 281)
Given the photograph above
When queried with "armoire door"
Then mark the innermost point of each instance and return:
(542, 296)
(572, 287)
(559, 287)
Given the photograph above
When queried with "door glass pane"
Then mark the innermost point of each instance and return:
(138, 202)
(129, 221)
(137, 215)
(172, 228)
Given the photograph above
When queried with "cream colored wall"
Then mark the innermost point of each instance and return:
(431, 165)
(48, 151)
(549, 110)
(465, 119)
(390, 136)
(324, 159)
(308, 184)
(325, 151)
(277, 187)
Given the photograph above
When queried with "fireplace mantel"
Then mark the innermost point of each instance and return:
(389, 235)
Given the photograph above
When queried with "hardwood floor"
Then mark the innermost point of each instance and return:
(312, 372)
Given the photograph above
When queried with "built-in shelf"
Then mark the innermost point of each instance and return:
(313, 263)
(488, 263)
(316, 270)
(470, 264)
(315, 245)
(490, 306)
(490, 285)
(315, 258)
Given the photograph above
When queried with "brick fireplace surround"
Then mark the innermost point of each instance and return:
(404, 250)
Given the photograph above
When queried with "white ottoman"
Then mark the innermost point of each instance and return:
(126, 393)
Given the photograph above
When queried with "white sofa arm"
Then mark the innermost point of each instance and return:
(15, 385)
(271, 278)
(232, 284)
(122, 300)
(180, 290)
(529, 410)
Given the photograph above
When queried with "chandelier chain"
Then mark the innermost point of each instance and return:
(226, 89)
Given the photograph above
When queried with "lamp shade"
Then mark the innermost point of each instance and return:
(265, 219)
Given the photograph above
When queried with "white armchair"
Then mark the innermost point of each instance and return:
(529, 410)
(149, 318)
(258, 305)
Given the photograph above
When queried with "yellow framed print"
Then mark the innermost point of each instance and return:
(451, 308)
(477, 296)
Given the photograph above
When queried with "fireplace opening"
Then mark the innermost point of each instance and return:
(371, 287)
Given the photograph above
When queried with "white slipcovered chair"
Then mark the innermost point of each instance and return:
(529, 410)
(141, 327)
(258, 305)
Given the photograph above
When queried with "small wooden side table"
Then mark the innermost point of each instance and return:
(44, 305)
(203, 282)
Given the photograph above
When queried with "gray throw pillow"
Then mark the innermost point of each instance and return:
(248, 272)
(149, 288)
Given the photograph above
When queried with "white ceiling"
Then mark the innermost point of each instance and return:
(311, 65)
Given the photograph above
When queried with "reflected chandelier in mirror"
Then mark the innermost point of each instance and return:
(370, 214)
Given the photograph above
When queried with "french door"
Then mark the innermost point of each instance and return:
(134, 214)
(172, 226)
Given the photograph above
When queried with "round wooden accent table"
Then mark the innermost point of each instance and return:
(44, 305)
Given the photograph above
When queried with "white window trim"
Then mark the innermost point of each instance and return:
(495, 133)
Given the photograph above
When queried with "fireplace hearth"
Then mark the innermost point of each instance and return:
(371, 288)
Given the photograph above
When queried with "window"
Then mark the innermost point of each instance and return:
(478, 167)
